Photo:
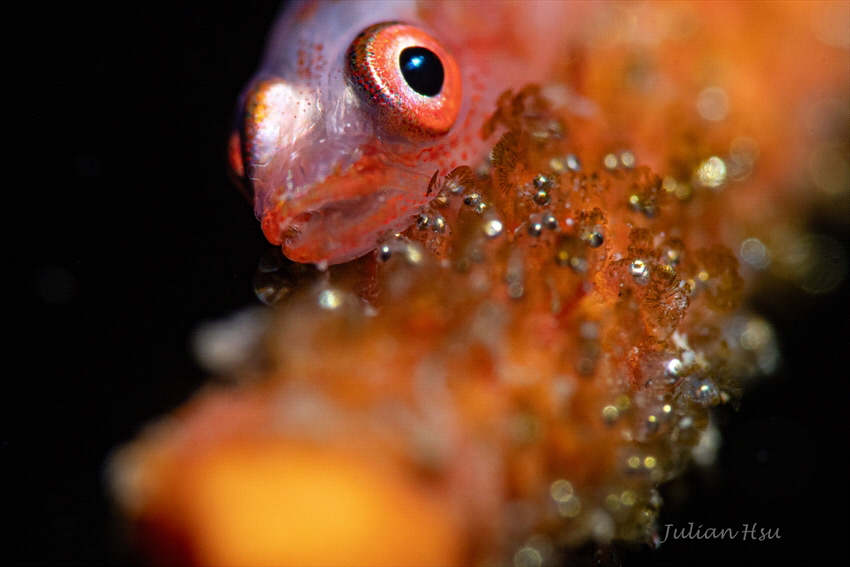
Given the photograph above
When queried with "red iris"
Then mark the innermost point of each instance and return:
(407, 78)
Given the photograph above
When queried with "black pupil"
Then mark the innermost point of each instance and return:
(422, 70)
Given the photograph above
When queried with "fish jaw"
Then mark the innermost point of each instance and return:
(324, 190)
(344, 215)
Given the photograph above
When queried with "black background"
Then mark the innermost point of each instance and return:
(124, 232)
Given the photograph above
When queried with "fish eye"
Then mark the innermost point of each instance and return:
(406, 78)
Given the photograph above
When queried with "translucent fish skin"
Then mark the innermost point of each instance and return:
(327, 179)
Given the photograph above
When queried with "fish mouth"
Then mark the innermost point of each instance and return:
(346, 213)
(340, 230)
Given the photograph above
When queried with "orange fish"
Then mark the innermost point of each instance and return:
(358, 104)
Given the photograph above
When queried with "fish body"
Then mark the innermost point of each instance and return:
(328, 172)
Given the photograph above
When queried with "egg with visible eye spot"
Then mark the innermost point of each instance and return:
(358, 104)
